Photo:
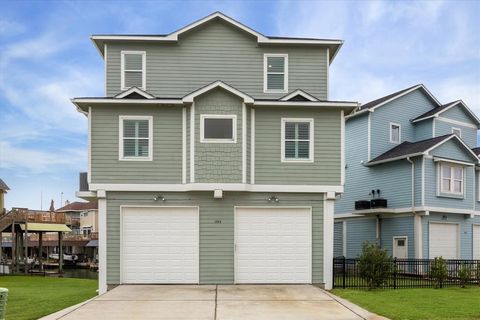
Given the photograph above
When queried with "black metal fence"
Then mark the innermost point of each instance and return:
(406, 273)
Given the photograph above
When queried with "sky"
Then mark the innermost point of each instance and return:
(46, 58)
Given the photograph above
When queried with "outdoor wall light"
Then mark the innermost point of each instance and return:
(159, 197)
(273, 198)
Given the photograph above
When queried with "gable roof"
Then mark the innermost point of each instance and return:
(79, 206)
(134, 92)
(383, 100)
(334, 45)
(294, 94)
(3, 186)
(476, 151)
(217, 84)
(411, 149)
(438, 110)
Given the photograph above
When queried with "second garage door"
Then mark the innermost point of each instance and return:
(443, 240)
(476, 242)
(160, 245)
(273, 245)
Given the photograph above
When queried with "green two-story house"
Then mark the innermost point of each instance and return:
(215, 156)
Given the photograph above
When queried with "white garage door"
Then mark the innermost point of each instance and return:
(273, 245)
(160, 245)
(476, 242)
(443, 240)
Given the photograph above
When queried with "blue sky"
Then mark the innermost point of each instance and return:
(46, 58)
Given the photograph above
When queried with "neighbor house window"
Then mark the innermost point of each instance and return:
(275, 73)
(395, 133)
(457, 132)
(135, 138)
(297, 140)
(133, 69)
(218, 128)
(451, 179)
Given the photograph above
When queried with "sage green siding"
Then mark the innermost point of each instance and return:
(216, 228)
(218, 162)
(166, 166)
(218, 51)
(269, 169)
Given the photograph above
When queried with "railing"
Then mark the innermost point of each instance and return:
(83, 182)
(405, 273)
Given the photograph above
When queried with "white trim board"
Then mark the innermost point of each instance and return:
(139, 91)
(217, 186)
(298, 92)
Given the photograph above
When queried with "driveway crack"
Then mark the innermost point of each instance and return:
(216, 295)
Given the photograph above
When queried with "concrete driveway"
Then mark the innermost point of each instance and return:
(223, 302)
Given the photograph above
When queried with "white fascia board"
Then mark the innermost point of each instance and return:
(440, 159)
(299, 92)
(261, 103)
(189, 97)
(470, 112)
(134, 90)
(217, 186)
(394, 159)
(78, 101)
(87, 195)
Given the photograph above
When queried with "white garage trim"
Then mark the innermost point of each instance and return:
(122, 207)
(457, 233)
(310, 260)
(476, 240)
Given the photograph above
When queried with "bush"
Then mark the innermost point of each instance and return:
(438, 272)
(374, 265)
(464, 275)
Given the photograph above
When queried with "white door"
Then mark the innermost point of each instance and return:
(273, 245)
(400, 245)
(160, 245)
(476, 242)
(443, 240)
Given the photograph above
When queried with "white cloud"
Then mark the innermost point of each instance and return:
(23, 159)
(464, 88)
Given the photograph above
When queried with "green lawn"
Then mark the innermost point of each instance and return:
(432, 304)
(31, 297)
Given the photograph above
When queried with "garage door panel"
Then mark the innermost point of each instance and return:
(160, 245)
(273, 245)
(443, 240)
(476, 242)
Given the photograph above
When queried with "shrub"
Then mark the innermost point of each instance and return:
(374, 265)
(438, 272)
(464, 275)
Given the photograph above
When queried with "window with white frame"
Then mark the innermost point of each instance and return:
(297, 140)
(135, 138)
(395, 132)
(216, 128)
(275, 78)
(133, 72)
(451, 179)
(457, 132)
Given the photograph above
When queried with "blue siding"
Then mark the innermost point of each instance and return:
(338, 239)
(396, 227)
(401, 111)
(453, 149)
(469, 135)
(466, 231)
(358, 232)
(457, 113)
(423, 130)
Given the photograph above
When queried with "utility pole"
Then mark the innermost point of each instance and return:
(61, 199)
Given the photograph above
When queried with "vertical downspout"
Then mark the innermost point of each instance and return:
(413, 184)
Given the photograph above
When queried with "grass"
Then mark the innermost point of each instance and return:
(31, 297)
(423, 303)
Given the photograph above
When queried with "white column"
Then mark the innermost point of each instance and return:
(244, 143)
(328, 221)
(417, 227)
(102, 241)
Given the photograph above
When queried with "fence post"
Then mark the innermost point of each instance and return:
(394, 273)
(344, 272)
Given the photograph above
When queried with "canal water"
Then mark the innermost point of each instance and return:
(80, 273)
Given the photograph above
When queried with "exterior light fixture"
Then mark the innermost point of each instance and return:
(159, 197)
(273, 198)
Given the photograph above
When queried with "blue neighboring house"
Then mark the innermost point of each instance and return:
(412, 178)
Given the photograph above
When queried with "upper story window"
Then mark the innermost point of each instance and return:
(275, 69)
(451, 179)
(457, 132)
(297, 140)
(395, 133)
(218, 128)
(133, 69)
(136, 138)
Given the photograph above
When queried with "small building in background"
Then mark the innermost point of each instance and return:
(3, 189)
